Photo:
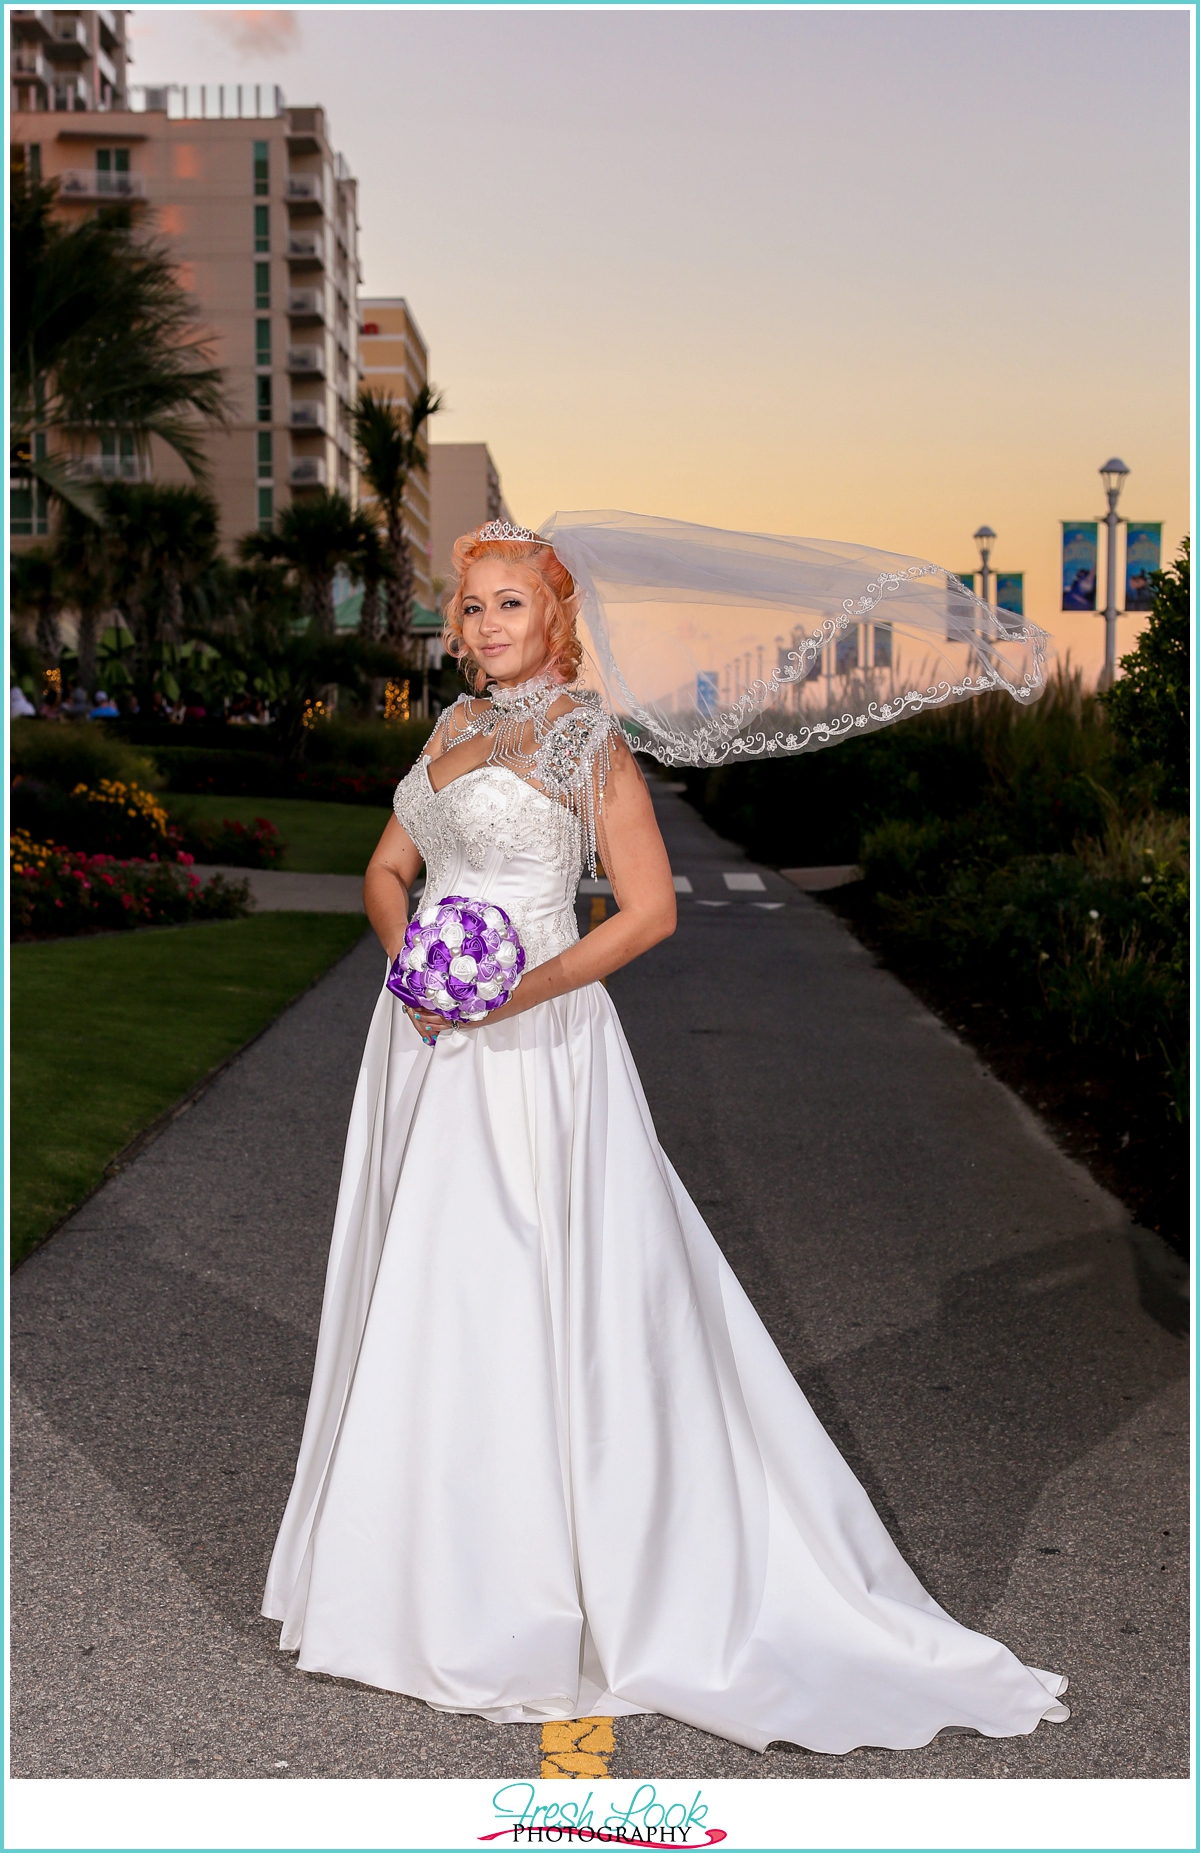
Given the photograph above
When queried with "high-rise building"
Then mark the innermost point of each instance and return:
(395, 360)
(465, 487)
(67, 60)
(260, 213)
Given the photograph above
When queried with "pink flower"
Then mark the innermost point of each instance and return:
(126, 900)
(108, 878)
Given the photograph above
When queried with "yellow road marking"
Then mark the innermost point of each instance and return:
(577, 1747)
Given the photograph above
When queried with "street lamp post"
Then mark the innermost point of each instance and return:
(985, 539)
(1112, 475)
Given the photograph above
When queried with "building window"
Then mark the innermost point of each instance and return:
(262, 228)
(262, 168)
(20, 509)
(266, 455)
(262, 343)
(112, 160)
(262, 286)
(263, 388)
(118, 457)
(266, 508)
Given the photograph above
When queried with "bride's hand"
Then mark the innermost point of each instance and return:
(427, 1025)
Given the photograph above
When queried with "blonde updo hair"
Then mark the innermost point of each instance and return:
(555, 595)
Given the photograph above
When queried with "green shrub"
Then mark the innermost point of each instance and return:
(114, 818)
(65, 754)
(366, 745)
(1149, 707)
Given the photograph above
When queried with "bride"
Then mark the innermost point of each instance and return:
(553, 1466)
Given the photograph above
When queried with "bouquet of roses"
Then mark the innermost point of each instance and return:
(460, 958)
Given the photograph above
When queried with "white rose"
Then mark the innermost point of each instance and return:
(491, 987)
(463, 967)
(451, 936)
(428, 917)
(493, 919)
(415, 958)
(444, 1001)
(506, 954)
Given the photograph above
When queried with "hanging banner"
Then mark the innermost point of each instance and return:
(1143, 556)
(1079, 544)
(968, 580)
(883, 646)
(1010, 592)
(960, 613)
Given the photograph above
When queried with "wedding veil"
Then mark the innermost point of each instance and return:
(710, 645)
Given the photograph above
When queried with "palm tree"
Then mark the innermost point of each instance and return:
(391, 447)
(37, 588)
(313, 538)
(161, 538)
(372, 563)
(86, 572)
(102, 339)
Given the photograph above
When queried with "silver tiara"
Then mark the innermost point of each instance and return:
(504, 530)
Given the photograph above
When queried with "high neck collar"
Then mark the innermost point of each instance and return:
(538, 692)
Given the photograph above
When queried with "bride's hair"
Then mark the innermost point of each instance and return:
(556, 596)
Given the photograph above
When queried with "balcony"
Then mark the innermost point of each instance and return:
(86, 183)
(308, 415)
(306, 248)
(106, 68)
(108, 22)
(29, 65)
(303, 193)
(309, 360)
(71, 93)
(112, 469)
(69, 39)
(308, 473)
(306, 305)
(32, 23)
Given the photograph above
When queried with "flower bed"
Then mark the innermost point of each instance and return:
(247, 846)
(58, 891)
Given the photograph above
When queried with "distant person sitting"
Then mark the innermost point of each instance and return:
(19, 705)
(194, 709)
(78, 705)
(104, 710)
(51, 708)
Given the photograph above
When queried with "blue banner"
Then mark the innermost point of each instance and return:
(1143, 556)
(1079, 544)
(968, 580)
(707, 694)
(1010, 592)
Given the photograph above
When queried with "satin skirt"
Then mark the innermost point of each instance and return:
(553, 1464)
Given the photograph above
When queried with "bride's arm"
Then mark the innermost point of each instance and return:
(391, 872)
(636, 862)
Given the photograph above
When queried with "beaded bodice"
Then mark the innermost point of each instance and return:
(518, 829)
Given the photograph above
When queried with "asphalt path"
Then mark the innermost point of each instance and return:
(999, 1354)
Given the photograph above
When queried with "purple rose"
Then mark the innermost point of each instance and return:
(491, 938)
(460, 988)
(473, 946)
(439, 956)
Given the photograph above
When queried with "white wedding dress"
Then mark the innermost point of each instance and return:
(553, 1465)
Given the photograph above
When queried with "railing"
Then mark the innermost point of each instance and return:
(308, 415)
(112, 469)
(209, 102)
(304, 190)
(87, 183)
(306, 247)
(106, 67)
(306, 302)
(307, 472)
(306, 360)
(71, 93)
(33, 19)
(29, 62)
(69, 36)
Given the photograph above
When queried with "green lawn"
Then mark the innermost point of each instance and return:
(322, 839)
(107, 1032)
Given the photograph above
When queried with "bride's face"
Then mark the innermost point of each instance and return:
(502, 621)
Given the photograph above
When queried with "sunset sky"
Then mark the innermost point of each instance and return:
(872, 275)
